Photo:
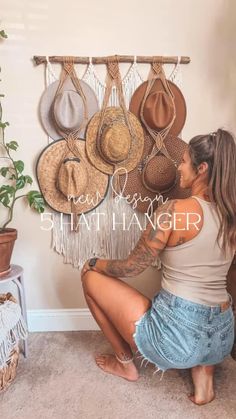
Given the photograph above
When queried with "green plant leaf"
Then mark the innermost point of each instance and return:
(7, 189)
(6, 193)
(5, 199)
(31, 195)
(4, 171)
(12, 177)
(36, 201)
(3, 34)
(20, 183)
(19, 165)
(28, 179)
(13, 145)
(4, 124)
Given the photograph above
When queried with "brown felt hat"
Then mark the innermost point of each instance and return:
(67, 180)
(158, 177)
(112, 146)
(158, 109)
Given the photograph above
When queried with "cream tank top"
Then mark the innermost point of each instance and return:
(196, 270)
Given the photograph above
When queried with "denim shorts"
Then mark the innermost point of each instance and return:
(177, 333)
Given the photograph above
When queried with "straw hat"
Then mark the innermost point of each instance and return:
(66, 110)
(64, 172)
(160, 176)
(113, 144)
(158, 109)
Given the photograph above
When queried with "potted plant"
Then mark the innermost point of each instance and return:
(13, 182)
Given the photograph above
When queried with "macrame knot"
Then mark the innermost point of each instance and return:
(113, 69)
(70, 139)
(157, 68)
(69, 65)
(159, 141)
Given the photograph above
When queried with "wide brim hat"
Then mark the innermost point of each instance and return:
(46, 110)
(132, 184)
(47, 170)
(114, 117)
(157, 87)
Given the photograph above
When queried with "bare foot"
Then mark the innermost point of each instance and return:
(203, 384)
(200, 402)
(111, 365)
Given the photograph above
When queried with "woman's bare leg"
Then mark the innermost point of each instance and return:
(115, 306)
(202, 376)
(106, 362)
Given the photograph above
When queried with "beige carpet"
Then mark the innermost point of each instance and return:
(60, 380)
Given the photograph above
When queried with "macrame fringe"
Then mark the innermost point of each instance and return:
(102, 233)
(145, 361)
(130, 83)
(176, 74)
(107, 242)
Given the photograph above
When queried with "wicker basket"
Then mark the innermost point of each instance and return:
(8, 373)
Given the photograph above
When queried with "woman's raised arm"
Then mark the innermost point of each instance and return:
(151, 243)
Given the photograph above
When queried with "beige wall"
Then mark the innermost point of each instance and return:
(202, 29)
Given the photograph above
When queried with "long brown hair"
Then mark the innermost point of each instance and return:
(218, 150)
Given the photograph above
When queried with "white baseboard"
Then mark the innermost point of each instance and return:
(60, 320)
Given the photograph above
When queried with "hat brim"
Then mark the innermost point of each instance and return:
(179, 101)
(47, 174)
(45, 106)
(113, 114)
(133, 188)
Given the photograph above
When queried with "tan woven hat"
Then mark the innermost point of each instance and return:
(114, 147)
(67, 109)
(68, 182)
(158, 177)
(114, 137)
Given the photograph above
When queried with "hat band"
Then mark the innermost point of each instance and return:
(71, 159)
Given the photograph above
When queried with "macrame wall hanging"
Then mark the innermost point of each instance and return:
(113, 228)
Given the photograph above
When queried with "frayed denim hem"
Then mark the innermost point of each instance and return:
(143, 356)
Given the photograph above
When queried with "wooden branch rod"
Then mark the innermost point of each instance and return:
(121, 58)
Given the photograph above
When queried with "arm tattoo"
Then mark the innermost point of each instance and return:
(151, 243)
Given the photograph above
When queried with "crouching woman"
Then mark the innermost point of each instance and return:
(189, 323)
